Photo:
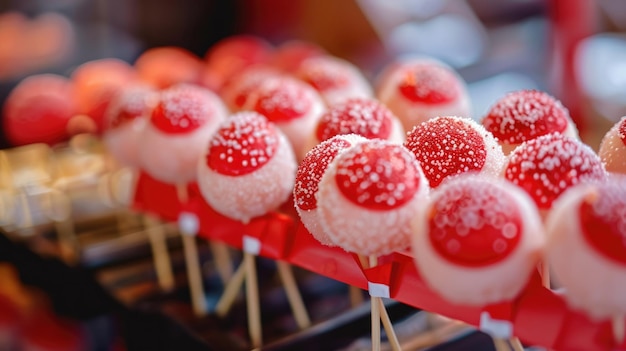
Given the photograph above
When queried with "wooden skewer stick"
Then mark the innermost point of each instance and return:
(391, 333)
(517, 345)
(222, 259)
(373, 261)
(293, 295)
(501, 344)
(194, 273)
(230, 291)
(375, 324)
(356, 296)
(433, 337)
(160, 253)
(252, 300)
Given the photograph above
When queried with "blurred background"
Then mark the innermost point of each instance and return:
(573, 49)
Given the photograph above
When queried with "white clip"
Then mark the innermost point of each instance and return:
(498, 328)
(378, 290)
(188, 223)
(251, 245)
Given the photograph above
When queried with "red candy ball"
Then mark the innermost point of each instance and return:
(242, 145)
(473, 224)
(364, 117)
(548, 165)
(429, 83)
(378, 176)
(525, 115)
(182, 109)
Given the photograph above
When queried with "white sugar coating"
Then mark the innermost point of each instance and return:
(455, 150)
(358, 229)
(613, 150)
(254, 194)
(571, 132)
(186, 103)
(123, 142)
(325, 67)
(546, 166)
(297, 130)
(358, 126)
(412, 113)
(478, 286)
(172, 158)
(306, 185)
(122, 137)
(579, 267)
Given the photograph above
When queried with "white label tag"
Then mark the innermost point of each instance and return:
(188, 223)
(251, 245)
(378, 290)
(500, 329)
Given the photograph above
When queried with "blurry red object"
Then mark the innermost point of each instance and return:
(291, 54)
(38, 110)
(231, 55)
(96, 83)
(165, 66)
(42, 331)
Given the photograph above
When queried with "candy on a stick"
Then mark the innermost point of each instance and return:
(447, 146)
(292, 105)
(419, 89)
(527, 114)
(546, 166)
(335, 79)
(180, 125)
(308, 176)
(249, 167)
(477, 240)
(587, 251)
(366, 200)
(184, 118)
(368, 195)
(38, 110)
(613, 148)
(248, 171)
(365, 117)
(166, 66)
(96, 83)
(125, 119)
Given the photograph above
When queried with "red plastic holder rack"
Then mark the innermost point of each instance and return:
(538, 316)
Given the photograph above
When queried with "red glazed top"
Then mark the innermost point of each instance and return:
(378, 175)
(445, 146)
(548, 165)
(603, 220)
(182, 109)
(622, 130)
(474, 224)
(525, 115)
(429, 83)
(312, 169)
(245, 143)
(282, 100)
(239, 88)
(364, 117)
(131, 103)
(325, 73)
